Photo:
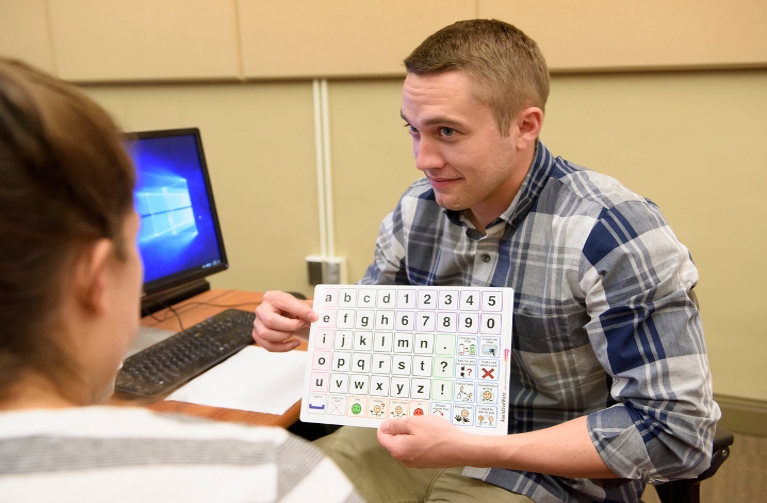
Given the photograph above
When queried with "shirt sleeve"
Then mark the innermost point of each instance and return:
(647, 333)
(388, 267)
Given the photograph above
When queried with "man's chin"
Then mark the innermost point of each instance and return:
(451, 205)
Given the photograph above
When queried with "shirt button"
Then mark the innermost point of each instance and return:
(485, 257)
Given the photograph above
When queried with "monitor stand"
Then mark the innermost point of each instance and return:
(161, 300)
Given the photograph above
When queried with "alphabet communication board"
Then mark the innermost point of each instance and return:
(380, 352)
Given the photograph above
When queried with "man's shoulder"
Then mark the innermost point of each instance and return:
(592, 188)
(420, 189)
(418, 202)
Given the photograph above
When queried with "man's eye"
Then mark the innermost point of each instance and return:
(411, 129)
(446, 131)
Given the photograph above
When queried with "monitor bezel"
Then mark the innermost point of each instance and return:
(189, 275)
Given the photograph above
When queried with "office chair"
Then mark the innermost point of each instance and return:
(688, 491)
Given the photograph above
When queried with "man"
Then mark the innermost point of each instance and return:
(609, 378)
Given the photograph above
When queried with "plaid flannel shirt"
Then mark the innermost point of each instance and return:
(603, 324)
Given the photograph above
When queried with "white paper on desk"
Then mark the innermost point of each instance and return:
(254, 379)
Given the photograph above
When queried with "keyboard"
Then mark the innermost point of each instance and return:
(170, 363)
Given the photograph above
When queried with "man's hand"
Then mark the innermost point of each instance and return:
(426, 442)
(431, 442)
(278, 317)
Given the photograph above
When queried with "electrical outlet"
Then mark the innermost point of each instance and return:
(314, 266)
(326, 270)
(335, 270)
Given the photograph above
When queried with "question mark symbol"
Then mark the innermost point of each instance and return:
(468, 371)
(444, 365)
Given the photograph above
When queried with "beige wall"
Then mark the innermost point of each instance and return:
(372, 164)
(693, 142)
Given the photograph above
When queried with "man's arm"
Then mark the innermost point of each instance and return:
(646, 332)
(431, 442)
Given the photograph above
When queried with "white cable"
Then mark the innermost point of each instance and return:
(318, 152)
(329, 227)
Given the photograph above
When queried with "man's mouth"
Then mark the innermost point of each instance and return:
(441, 183)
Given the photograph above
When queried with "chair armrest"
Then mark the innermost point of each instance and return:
(723, 439)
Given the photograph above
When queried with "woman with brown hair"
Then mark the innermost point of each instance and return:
(70, 283)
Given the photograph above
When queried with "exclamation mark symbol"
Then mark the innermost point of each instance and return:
(443, 389)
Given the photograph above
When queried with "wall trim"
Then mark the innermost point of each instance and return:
(743, 415)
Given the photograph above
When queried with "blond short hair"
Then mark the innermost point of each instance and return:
(507, 67)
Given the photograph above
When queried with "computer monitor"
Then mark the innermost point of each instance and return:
(180, 237)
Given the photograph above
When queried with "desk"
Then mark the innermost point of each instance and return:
(191, 312)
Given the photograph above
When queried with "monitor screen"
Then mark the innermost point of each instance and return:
(180, 236)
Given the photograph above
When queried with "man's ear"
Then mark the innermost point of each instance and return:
(90, 279)
(529, 123)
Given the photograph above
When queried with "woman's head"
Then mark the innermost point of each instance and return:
(66, 193)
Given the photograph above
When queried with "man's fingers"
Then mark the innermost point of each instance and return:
(393, 440)
(286, 303)
(276, 322)
(278, 317)
(261, 332)
(395, 426)
(278, 346)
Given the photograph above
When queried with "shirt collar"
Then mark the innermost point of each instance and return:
(528, 192)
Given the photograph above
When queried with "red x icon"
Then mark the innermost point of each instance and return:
(488, 373)
(336, 407)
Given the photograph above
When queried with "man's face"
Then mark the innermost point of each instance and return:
(457, 145)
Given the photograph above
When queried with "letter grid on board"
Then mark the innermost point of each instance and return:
(381, 352)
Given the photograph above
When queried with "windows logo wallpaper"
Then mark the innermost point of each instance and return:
(176, 232)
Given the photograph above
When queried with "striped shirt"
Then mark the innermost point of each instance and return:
(603, 325)
(116, 454)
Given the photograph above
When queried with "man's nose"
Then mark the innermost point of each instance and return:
(427, 155)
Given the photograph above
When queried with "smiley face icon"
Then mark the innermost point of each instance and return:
(356, 409)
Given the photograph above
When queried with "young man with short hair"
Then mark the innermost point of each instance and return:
(610, 377)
